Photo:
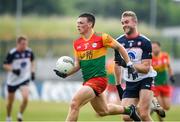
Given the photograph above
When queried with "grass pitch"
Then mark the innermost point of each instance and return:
(51, 111)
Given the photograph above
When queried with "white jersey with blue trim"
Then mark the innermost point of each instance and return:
(138, 48)
(19, 60)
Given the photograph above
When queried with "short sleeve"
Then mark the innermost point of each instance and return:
(147, 50)
(74, 51)
(9, 59)
(108, 41)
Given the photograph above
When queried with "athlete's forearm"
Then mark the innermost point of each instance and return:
(7, 67)
(32, 66)
(124, 53)
(117, 74)
(75, 69)
(141, 68)
(170, 72)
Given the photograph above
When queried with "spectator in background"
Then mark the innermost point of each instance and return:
(161, 63)
(19, 65)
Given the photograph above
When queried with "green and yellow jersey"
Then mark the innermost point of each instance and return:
(160, 63)
(91, 54)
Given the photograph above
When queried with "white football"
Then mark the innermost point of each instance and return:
(65, 64)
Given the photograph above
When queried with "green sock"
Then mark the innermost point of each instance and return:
(127, 110)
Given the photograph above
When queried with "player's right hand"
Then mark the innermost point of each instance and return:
(172, 79)
(132, 71)
(16, 71)
(60, 74)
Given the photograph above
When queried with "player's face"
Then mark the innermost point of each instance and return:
(22, 45)
(155, 49)
(128, 24)
(83, 25)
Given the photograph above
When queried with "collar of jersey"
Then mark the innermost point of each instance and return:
(92, 32)
(160, 54)
(132, 37)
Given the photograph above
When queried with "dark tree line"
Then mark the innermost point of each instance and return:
(167, 10)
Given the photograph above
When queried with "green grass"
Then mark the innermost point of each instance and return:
(57, 27)
(51, 111)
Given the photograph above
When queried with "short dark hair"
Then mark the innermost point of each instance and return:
(156, 42)
(90, 17)
(20, 38)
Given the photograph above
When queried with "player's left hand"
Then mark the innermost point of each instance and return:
(132, 71)
(60, 74)
(32, 76)
(172, 79)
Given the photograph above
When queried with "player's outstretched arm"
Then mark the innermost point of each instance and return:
(108, 41)
(171, 74)
(122, 51)
(129, 65)
(7, 67)
(75, 69)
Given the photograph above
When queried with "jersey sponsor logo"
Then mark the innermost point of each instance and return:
(94, 45)
(132, 55)
(23, 64)
(87, 55)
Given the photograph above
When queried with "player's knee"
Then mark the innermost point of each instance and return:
(166, 107)
(126, 118)
(74, 105)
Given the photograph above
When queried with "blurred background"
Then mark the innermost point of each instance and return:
(50, 26)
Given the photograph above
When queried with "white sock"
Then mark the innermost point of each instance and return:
(19, 115)
(8, 119)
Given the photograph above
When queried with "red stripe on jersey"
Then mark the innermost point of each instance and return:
(95, 42)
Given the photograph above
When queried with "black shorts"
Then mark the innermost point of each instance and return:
(133, 88)
(12, 89)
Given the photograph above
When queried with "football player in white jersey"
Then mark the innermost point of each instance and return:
(19, 64)
(138, 90)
